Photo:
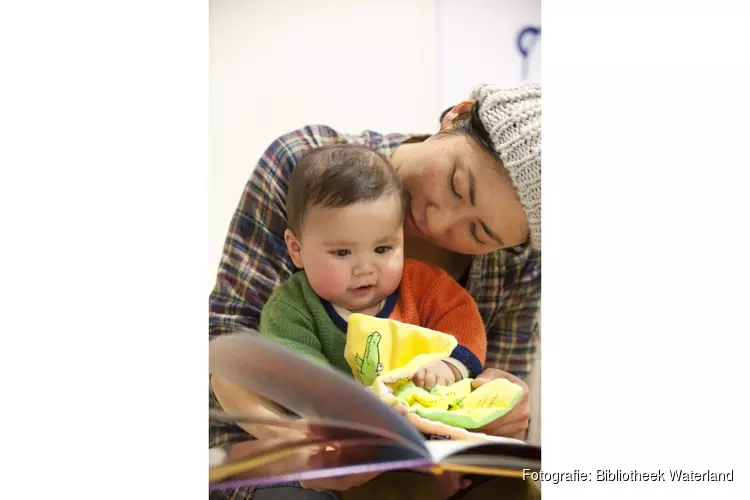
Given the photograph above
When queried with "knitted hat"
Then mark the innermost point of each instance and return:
(512, 118)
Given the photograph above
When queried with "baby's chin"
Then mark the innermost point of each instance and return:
(371, 309)
(370, 306)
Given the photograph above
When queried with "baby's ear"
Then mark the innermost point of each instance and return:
(295, 250)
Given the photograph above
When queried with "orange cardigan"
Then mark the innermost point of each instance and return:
(430, 298)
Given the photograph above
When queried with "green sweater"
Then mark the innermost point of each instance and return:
(295, 317)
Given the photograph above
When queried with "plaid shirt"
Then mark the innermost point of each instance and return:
(505, 284)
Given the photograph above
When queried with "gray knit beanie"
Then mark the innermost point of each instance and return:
(512, 118)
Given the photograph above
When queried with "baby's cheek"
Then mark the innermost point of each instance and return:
(328, 279)
(393, 271)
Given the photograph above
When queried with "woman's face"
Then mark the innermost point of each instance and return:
(459, 196)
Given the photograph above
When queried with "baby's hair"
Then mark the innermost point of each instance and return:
(338, 176)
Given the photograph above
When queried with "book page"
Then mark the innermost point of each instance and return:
(440, 449)
(509, 454)
(257, 463)
(311, 429)
(304, 386)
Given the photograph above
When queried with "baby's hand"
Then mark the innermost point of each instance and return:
(436, 373)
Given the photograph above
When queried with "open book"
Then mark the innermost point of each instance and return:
(339, 427)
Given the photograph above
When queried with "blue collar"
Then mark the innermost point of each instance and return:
(390, 304)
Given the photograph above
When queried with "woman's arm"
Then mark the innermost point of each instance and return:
(255, 260)
(512, 336)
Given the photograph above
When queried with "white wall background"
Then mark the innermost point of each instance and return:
(389, 66)
(476, 43)
(277, 65)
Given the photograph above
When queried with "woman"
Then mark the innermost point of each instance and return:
(474, 209)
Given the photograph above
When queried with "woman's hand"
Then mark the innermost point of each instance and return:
(514, 423)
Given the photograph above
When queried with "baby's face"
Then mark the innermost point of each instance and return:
(354, 256)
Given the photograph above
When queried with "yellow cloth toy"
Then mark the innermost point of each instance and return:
(384, 355)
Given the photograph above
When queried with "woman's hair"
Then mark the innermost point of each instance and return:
(338, 176)
(469, 123)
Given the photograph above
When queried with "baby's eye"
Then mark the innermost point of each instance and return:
(382, 249)
(341, 253)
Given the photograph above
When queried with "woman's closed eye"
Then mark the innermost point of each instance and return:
(340, 253)
(452, 181)
(473, 232)
(382, 249)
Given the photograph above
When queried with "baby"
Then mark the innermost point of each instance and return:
(345, 215)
